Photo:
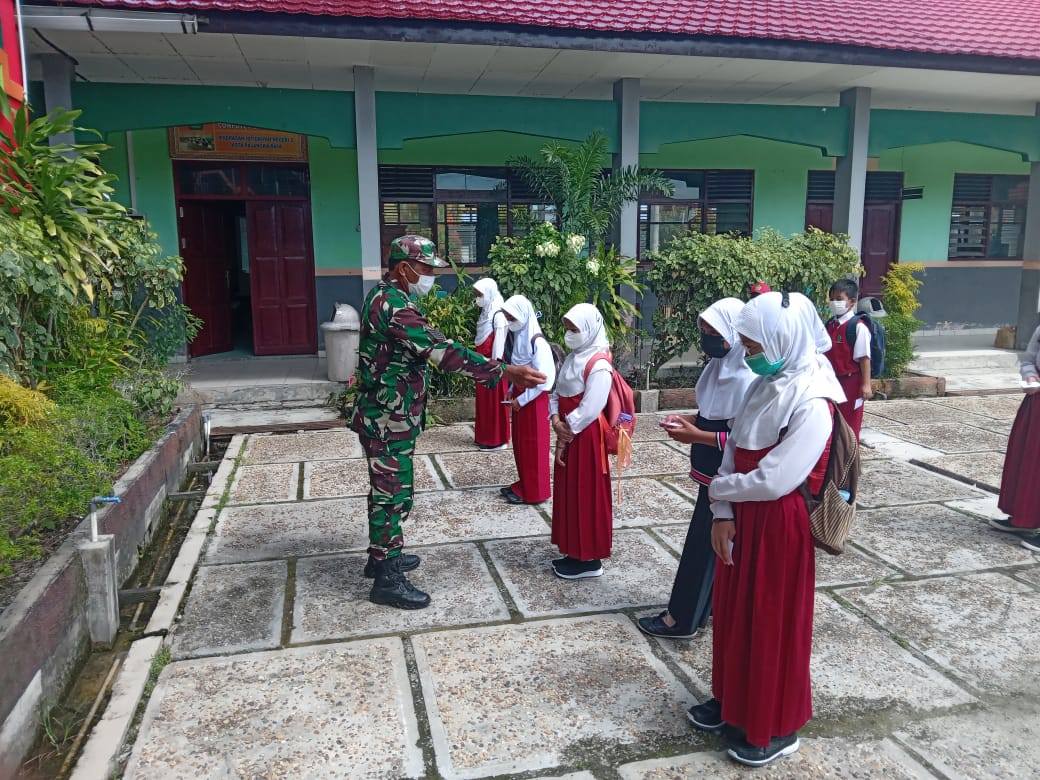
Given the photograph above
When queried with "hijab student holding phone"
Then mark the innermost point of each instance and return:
(720, 391)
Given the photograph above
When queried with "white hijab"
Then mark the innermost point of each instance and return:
(490, 303)
(788, 333)
(521, 310)
(725, 380)
(589, 321)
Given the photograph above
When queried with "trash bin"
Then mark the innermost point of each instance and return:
(342, 334)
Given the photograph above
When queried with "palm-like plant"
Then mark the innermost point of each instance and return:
(588, 201)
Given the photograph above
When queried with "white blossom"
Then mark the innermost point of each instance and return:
(576, 243)
(547, 249)
(593, 266)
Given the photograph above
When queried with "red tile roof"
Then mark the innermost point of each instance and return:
(994, 28)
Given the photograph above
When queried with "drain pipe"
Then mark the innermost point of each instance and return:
(98, 557)
(207, 425)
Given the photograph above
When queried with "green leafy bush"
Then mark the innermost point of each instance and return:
(694, 270)
(455, 315)
(899, 295)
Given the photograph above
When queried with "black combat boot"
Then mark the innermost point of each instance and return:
(408, 563)
(393, 589)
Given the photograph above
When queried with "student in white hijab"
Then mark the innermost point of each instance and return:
(583, 521)
(491, 431)
(531, 407)
(764, 587)
(720, 392)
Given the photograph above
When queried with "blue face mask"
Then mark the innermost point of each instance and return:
(762, 366)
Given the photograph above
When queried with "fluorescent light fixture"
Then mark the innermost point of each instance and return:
(105, 20)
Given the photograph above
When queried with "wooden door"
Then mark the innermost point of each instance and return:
(880, 241)
(208, 248)
(819, 215)
(281, 265)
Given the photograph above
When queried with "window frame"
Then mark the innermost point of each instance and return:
(990, 205)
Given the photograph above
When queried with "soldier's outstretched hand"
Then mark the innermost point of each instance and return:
(524, 377)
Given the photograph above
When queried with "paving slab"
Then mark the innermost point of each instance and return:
(638, 573)
(683, 484)
(894, 483)
(1001, 742)
(856, 670)
(1031, 576)
(252, 533)
(466, 515)
(879, 422)
(446, 438)
(983, 469)
(295, 447)
(645, 501)
(655, 457)
(1000, 407)
(981, 626)
(522, 697)
(572, 776)
(332, 595)
(233, 609)
(849, 568)
(890, 446)
(816, 759)
(478, 468)
(265, 483)
(951, 438)
(648, 427)
(910, 412)
(340, 478)
(333, 711)
(985, 507)
(933, 539)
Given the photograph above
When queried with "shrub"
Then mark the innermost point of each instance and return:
(455, 315)
(694, 270)
(899, 295)
(20, 405)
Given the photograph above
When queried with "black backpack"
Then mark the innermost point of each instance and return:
(557, 351)
(877, 341)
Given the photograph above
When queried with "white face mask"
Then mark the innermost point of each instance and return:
(516, 326)
(573, 340)
(478, 301)
(839, 307)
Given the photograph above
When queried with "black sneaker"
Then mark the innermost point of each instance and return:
(505, 491)
(1031, 541)
(573, 569)
(393, 589)
(512, 498)
(655, 626)
(408, 563)
(492, 447)
(707, 716)
(743, 751)
(1005, 526)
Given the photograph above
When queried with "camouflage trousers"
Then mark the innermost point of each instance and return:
(391, 477)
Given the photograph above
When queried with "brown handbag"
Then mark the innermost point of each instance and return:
(830, 515)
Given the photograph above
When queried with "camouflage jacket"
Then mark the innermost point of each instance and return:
(397, 346)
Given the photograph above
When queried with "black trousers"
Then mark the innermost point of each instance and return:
(690, 603)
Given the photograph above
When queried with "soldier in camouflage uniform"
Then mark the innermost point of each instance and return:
(397, 345)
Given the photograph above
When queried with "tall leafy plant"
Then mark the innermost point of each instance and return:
(899, 295)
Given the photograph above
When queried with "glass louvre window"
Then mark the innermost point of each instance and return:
(463, 209)
(712, 201)
(988, 217)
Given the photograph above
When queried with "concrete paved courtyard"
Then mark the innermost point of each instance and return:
(925, 658)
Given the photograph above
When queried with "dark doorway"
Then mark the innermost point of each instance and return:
(245, 235)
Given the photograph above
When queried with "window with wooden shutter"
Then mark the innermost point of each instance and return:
(988, 216)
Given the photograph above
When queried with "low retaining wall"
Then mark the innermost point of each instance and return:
(43, 633)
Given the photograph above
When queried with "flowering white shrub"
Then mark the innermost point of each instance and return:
(547, 249)
(576, 243)
(593, 266)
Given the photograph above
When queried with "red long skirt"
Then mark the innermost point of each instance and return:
(492, 428)
(531, 451)
(852, 385)
(583, 512)
(1019, 487)
(763, 616)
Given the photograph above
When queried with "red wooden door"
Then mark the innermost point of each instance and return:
(281, 266)
(880, 237)
(207, 247)
(819, 215)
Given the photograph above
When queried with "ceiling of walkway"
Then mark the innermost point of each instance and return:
(325, 63)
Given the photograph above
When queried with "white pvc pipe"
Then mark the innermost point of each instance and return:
(21, 45)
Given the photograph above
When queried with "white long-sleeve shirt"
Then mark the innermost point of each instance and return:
(786, 466)
(597, 390)
(1030, 367)
(543, 364)
(501, 327)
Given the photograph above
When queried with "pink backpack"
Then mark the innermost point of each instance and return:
(618, 418)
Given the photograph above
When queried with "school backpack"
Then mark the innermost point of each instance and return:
(877, 341)
(618, 418)
(556, 350)
(833, 510)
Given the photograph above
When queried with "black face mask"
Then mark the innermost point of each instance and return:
(714, 346)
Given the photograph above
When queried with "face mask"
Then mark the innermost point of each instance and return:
(420, 286)
(478, 301)
(573, 340)
(516, 326)
(714, 345)
(762, 366)
(839, 307)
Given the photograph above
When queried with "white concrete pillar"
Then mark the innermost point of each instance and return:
(98, 558)
(58, 73)
(1029, 297)
(626, 99)
(850, 179)
(368, 175)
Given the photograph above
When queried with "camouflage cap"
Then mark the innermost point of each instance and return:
(418, 248)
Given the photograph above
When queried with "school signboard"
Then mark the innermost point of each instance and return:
(222, 141)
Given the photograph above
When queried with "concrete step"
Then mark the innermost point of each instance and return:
(944, 361)
(313, 393)
(974, 381)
